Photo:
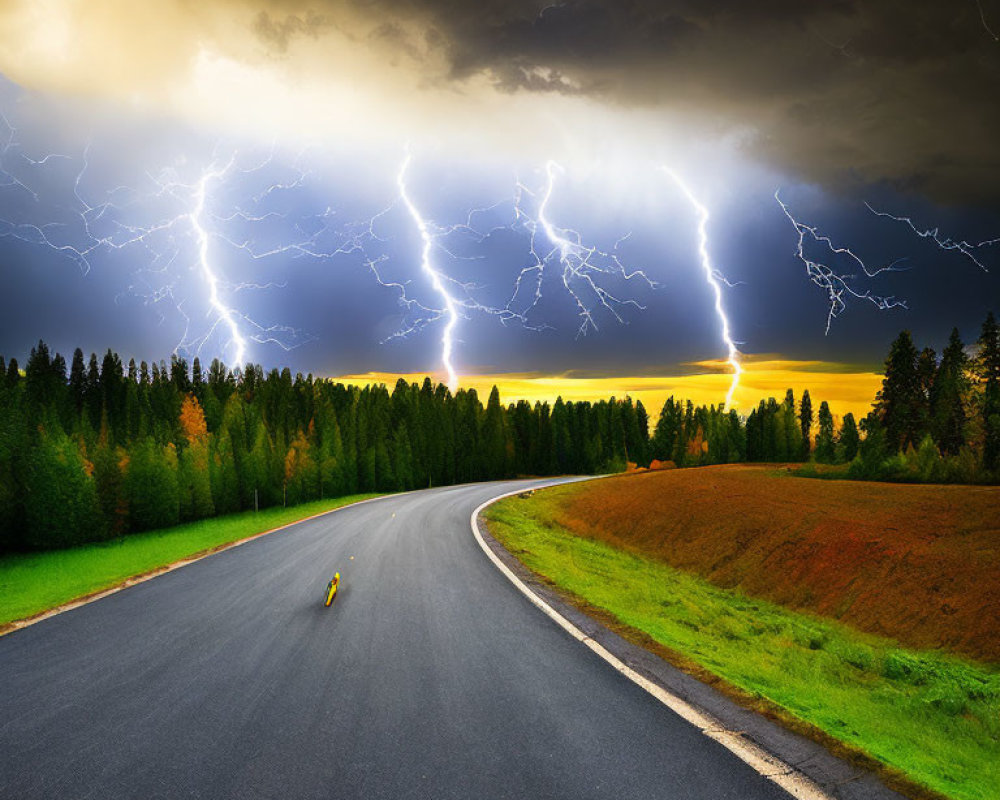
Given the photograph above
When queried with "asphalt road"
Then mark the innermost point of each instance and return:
(431, 676)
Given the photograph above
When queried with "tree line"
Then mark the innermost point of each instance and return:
(935, 419)
(103, 449)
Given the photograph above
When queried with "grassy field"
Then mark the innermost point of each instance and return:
(934, 718)
(34, 582)
(919, 564)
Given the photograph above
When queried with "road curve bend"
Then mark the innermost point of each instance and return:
(431, 676)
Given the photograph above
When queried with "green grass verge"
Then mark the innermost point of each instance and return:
(932, 717)
(34, 582)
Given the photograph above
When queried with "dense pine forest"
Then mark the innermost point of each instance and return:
(103, 449)
(109, 449)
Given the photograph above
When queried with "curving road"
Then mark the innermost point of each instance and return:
(430, 677)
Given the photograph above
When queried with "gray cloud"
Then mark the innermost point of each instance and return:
(874, 91)
(843, 92)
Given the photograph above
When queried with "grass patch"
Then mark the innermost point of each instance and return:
(932, 717)
(34, 582)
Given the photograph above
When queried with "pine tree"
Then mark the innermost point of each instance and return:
(151, 485)
(179, 374)
(666, 431)
(805, 424)
(60, 498)
(44, 380)
(329, 450)
(849, 439)
(634, 442)
(947, 397)
(78, 381)
(790, 426)
(197, 380)
(901, 403)
(642, 420)
(15, 447)
(561, 444)
(494, 438)
(266, 470)
(987, 370)
(402, 458)
(753, 437)
(110, 485)
(825, 453)
(737, 438)
(224, 480)
(93, 392)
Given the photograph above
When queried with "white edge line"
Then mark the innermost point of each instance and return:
(771, 767)
(156, 572)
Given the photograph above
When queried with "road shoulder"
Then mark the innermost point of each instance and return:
(802, 767)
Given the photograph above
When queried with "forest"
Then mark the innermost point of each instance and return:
(108, 449)
(102, 449)
(935, 419)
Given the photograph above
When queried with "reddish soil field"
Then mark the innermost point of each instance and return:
(919, 564)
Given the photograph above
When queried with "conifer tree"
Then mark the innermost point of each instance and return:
(825, 453)
(987, 369)
(224, 480)
(78, 381)
(947, 397)
(60, 498)
(901, 403)
(849, 439)
(151, 485)
(494, 441)
(805, 424)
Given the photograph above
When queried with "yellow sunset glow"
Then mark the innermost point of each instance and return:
(845, 389)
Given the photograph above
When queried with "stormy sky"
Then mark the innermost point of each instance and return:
(148, 145)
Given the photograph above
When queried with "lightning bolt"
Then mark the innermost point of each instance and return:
(134, 220)
(225, 313)
(714, 279)
(986, 26)
(582, 265)
(837, 285)
(944, 242)
(437, 278)
(171, 228)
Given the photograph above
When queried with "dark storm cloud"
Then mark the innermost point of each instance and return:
(907, 93)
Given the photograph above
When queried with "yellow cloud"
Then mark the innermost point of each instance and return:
(269, 70)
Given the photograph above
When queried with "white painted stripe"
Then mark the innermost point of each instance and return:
(771, 767)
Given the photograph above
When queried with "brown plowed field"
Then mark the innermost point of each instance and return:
(920, 564)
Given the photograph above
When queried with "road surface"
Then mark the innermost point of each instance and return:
(431, 676)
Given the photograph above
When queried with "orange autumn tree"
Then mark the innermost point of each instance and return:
(192, 420)
(193, 475)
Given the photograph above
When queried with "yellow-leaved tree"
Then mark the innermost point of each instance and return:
(193, 473)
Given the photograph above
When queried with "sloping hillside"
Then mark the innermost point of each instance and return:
(920, 564)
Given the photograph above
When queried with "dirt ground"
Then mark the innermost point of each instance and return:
(920, 564)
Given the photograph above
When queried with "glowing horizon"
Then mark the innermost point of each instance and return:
(847, 389)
